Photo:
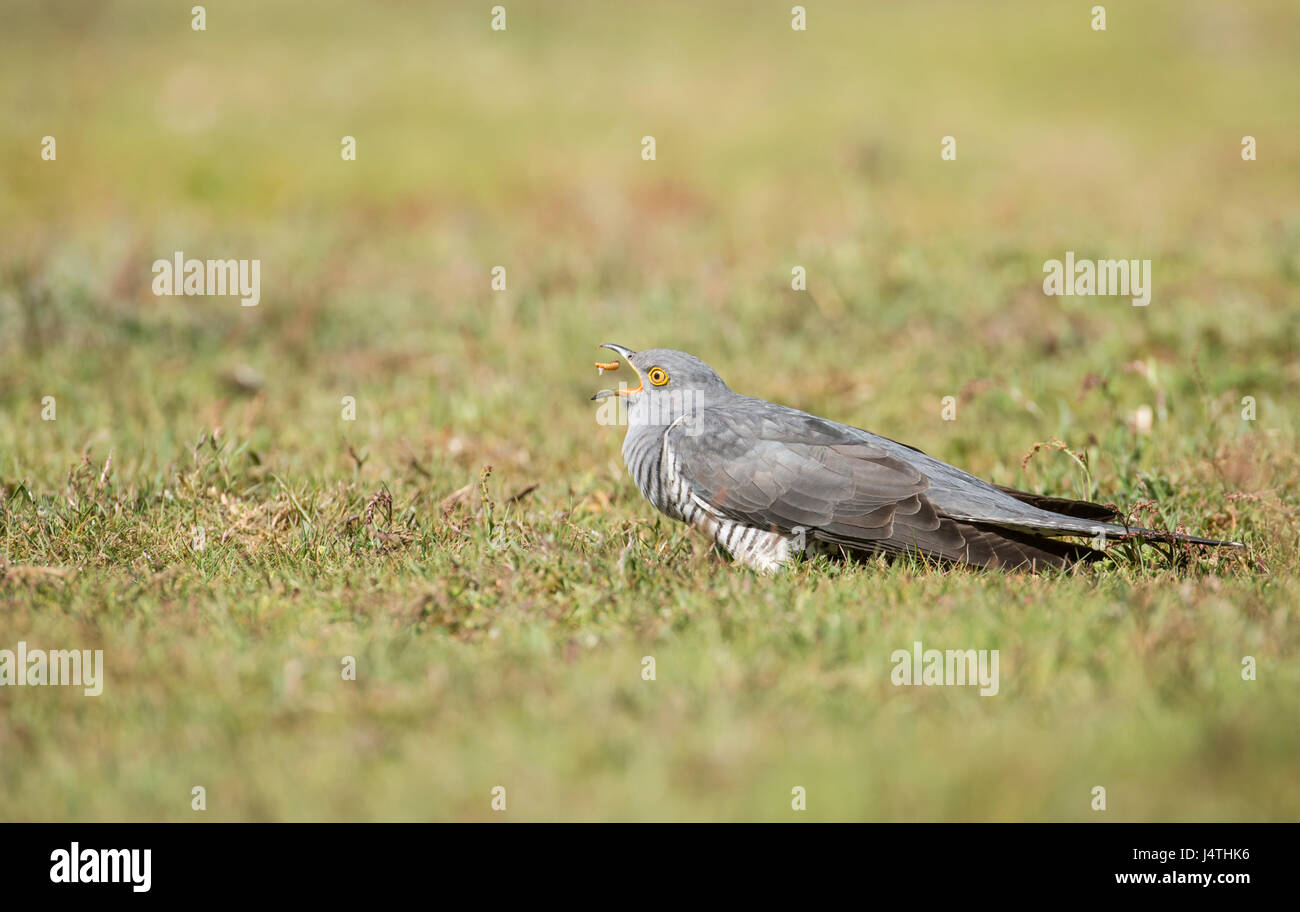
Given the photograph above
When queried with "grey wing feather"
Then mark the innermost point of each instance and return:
(772, 478)
(778, 469)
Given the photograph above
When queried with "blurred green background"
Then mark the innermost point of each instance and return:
(520, 664)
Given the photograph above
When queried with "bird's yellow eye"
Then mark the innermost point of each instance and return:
(658, 376)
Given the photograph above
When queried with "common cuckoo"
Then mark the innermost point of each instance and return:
(767, 482)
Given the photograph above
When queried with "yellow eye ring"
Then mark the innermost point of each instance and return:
(658, 376)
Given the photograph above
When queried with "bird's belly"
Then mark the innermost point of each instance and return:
(759, 549)
(657, 473)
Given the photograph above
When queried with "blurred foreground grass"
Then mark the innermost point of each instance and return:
(500, 642)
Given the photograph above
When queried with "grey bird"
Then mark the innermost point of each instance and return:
(767, 482)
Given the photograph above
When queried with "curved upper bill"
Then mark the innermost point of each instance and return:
(626, 354)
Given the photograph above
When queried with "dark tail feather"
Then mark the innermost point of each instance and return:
(1180, 538)
(1081, 509)
(1009, 549)
(1086, 509)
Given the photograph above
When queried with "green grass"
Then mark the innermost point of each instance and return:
(500, 641)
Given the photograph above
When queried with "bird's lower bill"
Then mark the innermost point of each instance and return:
(621, 391)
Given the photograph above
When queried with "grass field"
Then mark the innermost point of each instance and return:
(201, 510)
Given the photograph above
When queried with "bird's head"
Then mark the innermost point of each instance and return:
(672, 384)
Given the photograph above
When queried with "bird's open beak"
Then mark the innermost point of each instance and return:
(626, 354)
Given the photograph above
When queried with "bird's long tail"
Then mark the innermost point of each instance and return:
(1113, 520)
(1176, 537)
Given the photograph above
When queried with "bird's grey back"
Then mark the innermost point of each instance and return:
(952, 491)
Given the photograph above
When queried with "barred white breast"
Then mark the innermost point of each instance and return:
(656, 469)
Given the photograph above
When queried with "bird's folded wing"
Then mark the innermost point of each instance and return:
(783, 473)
